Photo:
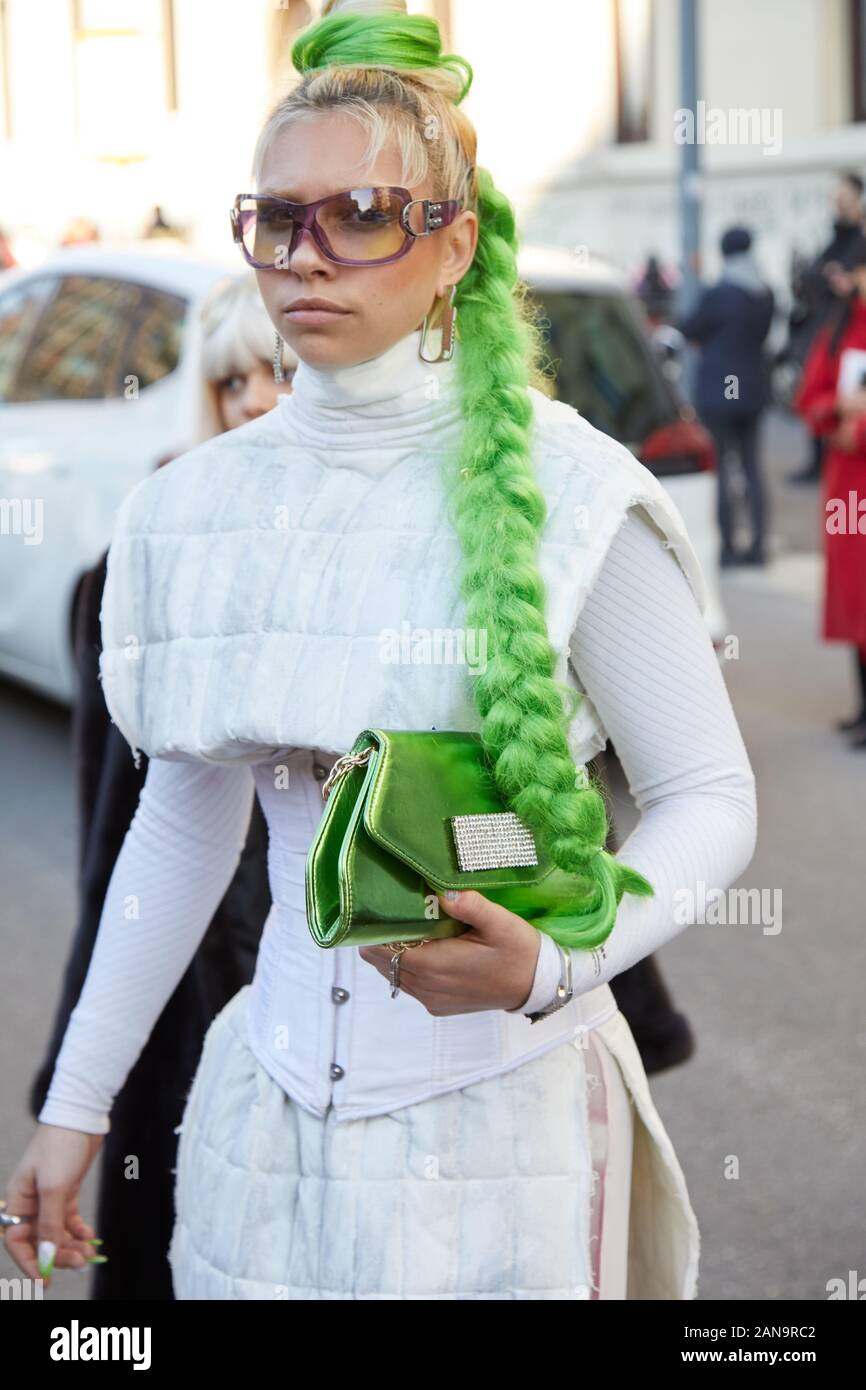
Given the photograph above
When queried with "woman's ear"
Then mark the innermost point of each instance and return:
(460, 252)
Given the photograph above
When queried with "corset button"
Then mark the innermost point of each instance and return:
(339, 995)
(336, 1071)
(320, 772)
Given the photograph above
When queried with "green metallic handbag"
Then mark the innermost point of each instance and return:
(412, 813)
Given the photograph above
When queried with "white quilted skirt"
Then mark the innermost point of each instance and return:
(555, 1180)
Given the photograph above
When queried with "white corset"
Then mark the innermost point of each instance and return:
(323, 1023)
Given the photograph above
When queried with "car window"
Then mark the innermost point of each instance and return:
(605, 367)
(154, 346)
(19, 310)
(94, 335)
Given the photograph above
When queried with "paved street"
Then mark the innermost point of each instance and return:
(777, 1079)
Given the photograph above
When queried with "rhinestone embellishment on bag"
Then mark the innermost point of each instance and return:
(496, 841)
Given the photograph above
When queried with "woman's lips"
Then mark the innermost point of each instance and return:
(315, 315)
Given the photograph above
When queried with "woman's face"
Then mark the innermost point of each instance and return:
(246, 395)
(380, 304)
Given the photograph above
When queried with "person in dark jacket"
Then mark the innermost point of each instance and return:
(730, 324)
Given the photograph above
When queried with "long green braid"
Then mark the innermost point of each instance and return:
(499, 512)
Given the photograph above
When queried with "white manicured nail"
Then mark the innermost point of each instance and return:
(45, 1256)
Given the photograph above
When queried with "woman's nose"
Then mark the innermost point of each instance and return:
(306, 252)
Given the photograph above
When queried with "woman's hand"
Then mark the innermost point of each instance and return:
(844, 437)
(490, 966)
(44, 1190)
(853, 404)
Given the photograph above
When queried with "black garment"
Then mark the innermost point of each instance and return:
(730, 325)
(815, 289)
(135, 1216)
(736, 437)
(860, 662)
(662, 1035)
(814, 298)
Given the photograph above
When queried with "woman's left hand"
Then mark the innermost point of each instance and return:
(490, 966)
(853, 404)
(844, 437)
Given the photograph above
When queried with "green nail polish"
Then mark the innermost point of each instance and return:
(97, 1259)
(96, 1240)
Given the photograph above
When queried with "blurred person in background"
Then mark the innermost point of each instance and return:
(135, 1218)
(159, 227)
(819, 288)
(832, 401)
(730, 324)
(7, 259)
(655, 289)
(80, 232)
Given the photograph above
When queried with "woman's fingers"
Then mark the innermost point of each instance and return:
(21, 1247)
(78, 1228)
(22, 1200)
(50, 1228)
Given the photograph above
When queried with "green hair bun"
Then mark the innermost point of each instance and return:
(386, 40)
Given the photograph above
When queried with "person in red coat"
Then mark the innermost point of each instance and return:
(832, 401)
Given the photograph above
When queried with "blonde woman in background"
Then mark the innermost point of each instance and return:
(237, 367)
(135, 1219)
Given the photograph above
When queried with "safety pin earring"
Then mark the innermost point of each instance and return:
(445, 328)
(279, 374)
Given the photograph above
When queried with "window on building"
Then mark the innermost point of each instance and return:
(125, 64)
(633, 45)
(5, 74)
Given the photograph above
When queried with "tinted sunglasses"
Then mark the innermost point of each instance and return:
(360, 226)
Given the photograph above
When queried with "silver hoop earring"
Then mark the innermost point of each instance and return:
(279, 374)
(445, 328)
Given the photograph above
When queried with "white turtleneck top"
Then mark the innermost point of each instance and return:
(322, 1022)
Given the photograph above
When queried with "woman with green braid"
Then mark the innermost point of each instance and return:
(486, 1130)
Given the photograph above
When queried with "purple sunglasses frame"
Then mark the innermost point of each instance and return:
(436, 215)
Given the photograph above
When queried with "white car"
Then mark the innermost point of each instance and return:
(99, 382)
(608, 369)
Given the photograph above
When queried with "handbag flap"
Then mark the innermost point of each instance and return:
(421, 780)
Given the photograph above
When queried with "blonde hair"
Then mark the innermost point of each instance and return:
(236, 333)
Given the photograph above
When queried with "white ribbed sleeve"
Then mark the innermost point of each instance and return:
(177, 860)
(643, 655)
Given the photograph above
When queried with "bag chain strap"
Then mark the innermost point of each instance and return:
(342, 766)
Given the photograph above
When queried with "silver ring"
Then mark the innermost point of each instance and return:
(10, 1220)
(394, 972)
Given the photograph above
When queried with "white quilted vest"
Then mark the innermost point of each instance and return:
(295, 581)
